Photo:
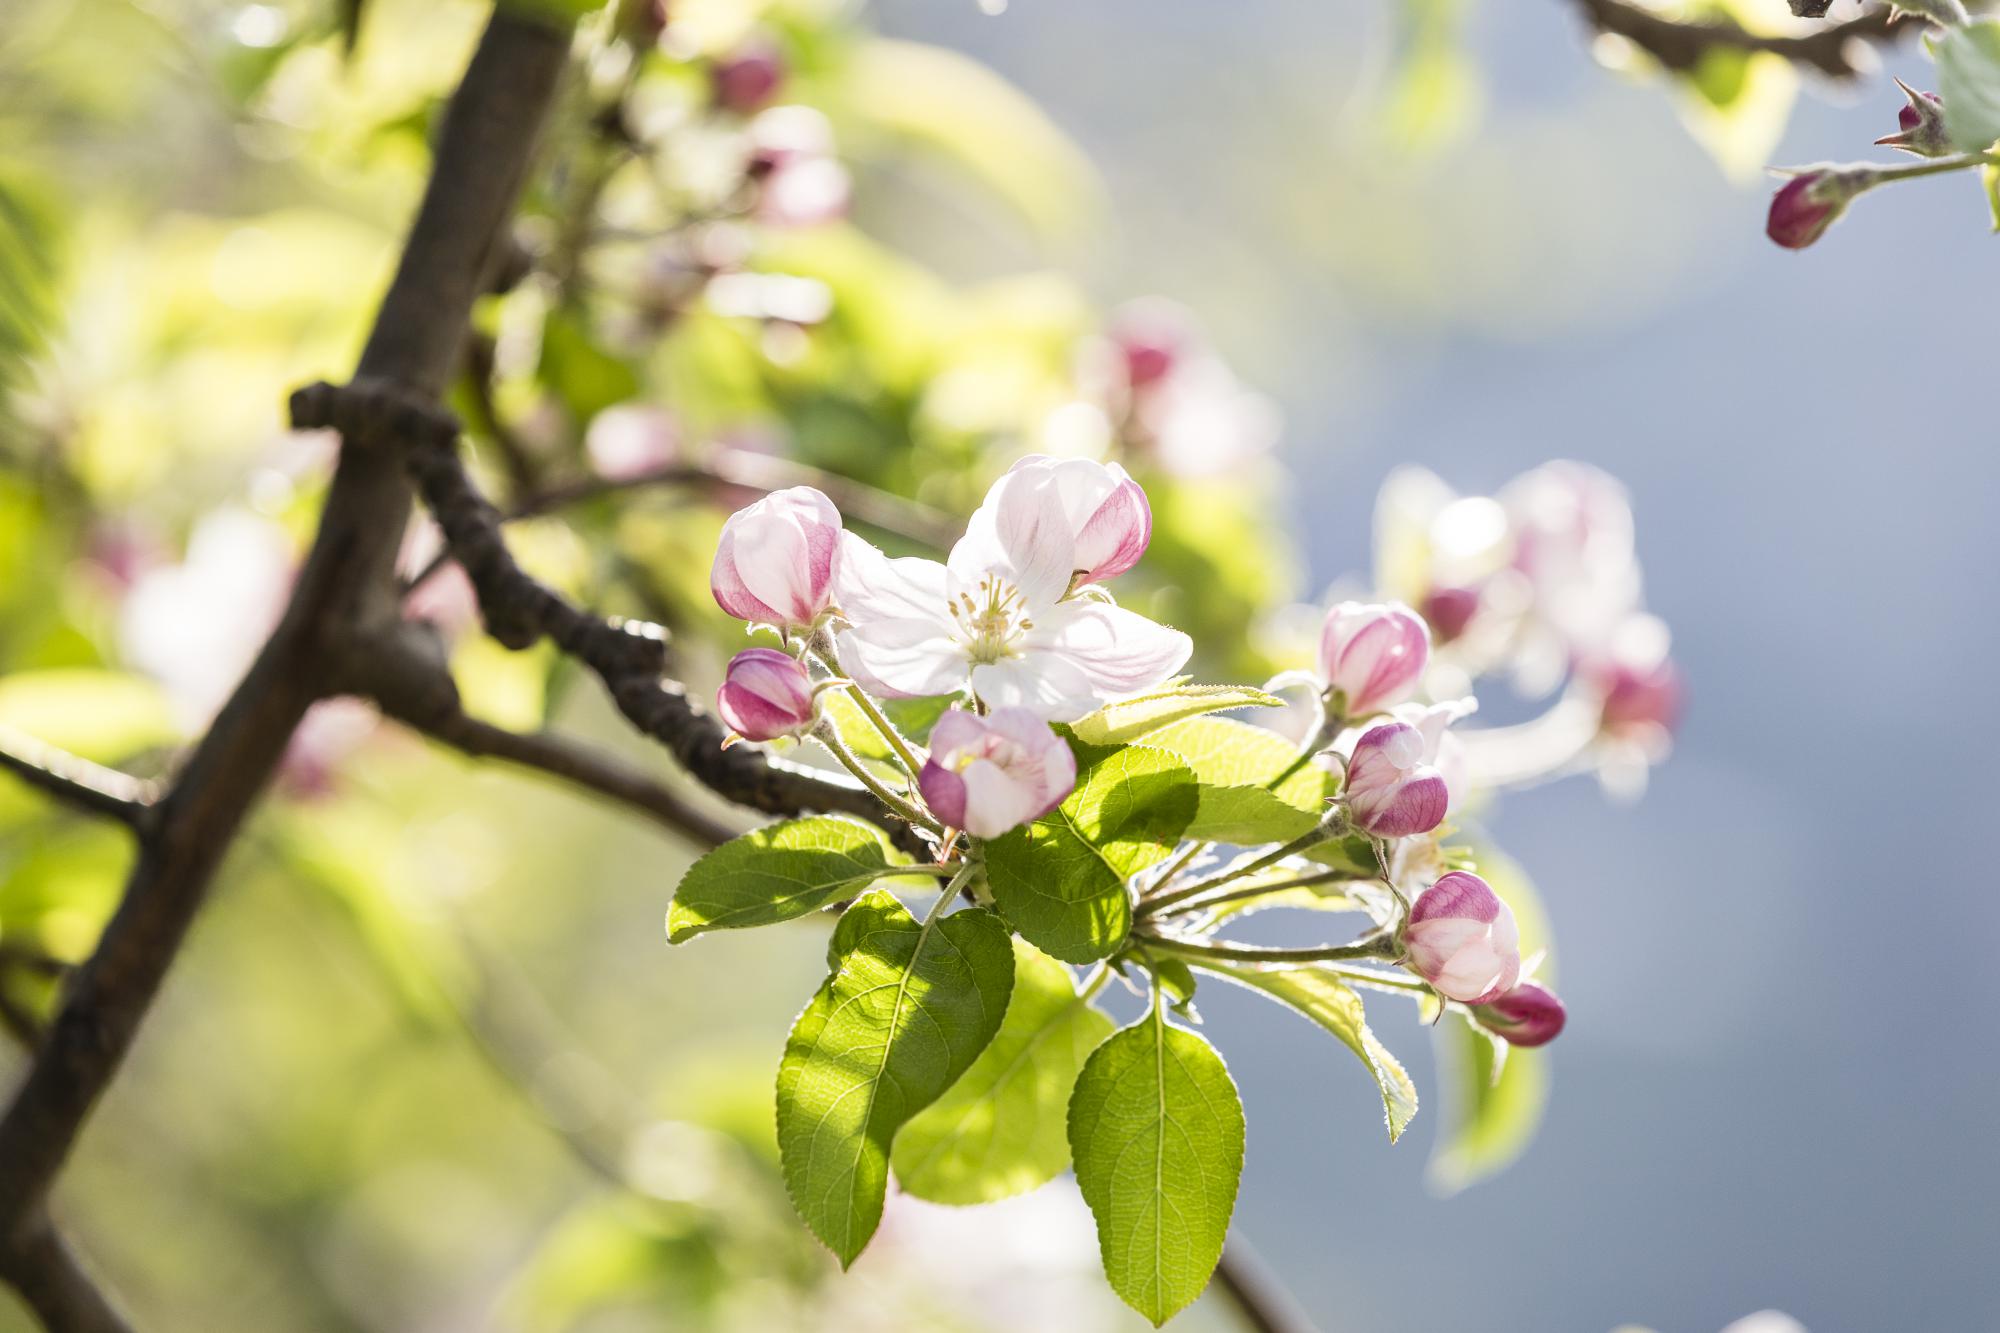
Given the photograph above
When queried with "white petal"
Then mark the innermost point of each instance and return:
(1042, 683)
(1118, 651)
(873, 587)
(902, 658)
(1020, 533)
(996, 800)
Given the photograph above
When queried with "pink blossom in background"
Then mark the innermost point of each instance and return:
(631, 440)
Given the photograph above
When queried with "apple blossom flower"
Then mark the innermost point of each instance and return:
(1391, 792)
(1443, 750)
(1152, 337)
(1373, 654)
(998, 615)
(1922, 121)
(799, 180)
(765, 694)
(990, 774)
(777, 559)
(1462, 939)
(1448, 611)
(1106, 512)
(748, 78)
(1641, 698)
(1527, 1015)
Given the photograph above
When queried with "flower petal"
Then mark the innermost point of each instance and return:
(1042, 683)
(903, 659)
(1119, 652)
(873, 587)
(1020, 533)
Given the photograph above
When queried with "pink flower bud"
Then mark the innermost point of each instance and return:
(990, 774)
(748, 79)
(1810, 202)
(1449, 610)
(765, 694)
(1462, 939)
(1922, 122)
(1152, 337)
(1641, 698)
(777, 559)
(1391, 792)
(1104, 510)
(1373, 653)
(1527, 1015)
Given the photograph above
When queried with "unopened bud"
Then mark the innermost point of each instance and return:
(765, 694)
(1922, 122)
(1528, 1015)
(1810, 202)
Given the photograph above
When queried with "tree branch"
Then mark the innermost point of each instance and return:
(1680, 44)
(629, 657)
(1258, 1295)
(75, 781)
(45, 1271)
(347, 580)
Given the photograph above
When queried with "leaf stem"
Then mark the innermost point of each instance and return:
(823, 650)
(1324, 831)
(1273, 886)
(826, 734)
(1373, 946)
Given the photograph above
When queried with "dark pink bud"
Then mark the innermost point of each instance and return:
(765, 694)
(1527, 1015)
(747, 80)
(1807, 204)
(1450, 610)
(1641, 698)
(1462, 939)
(1391, 791)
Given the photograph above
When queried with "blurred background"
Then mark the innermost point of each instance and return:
(428, 1062)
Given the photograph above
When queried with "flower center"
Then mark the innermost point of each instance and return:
(992, 617)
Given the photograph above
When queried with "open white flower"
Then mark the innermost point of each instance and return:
(999, 615)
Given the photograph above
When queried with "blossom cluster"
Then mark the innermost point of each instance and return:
(1017, 632)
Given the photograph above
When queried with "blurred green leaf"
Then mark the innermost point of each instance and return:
(1491, 1110)
(906, 1012)
(999, 1130)
(99, 714)
(778, 873)
(1061, 880)
(1157, 1131)
(1968, 60)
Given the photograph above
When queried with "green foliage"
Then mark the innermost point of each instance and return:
(999, 1130)
(1237, 766)
(1968, 60)
(1135, 718)
(780, 872)
(1324, 998)
(1493, 1102)
(1061, 881)
(101, 715)
(1157, 1132)
(905, 1013)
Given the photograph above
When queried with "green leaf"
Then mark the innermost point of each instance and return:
(1491, 1109)
(1331, 1003)
(1129, 719)
(1989, 177)
(778, 873)
(1235, 763)
(1061, 880)
(1968, 60)
(904, 1015)
(1157, 1131)
(999, 1130)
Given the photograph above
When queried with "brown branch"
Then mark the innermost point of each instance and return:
(629, 657)
(347, 580)
(45, 1271)
(75, 781)
(1680, 44)
(1263, 1301)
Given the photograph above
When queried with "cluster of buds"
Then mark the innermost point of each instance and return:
(1016, 627)
(1540, 581)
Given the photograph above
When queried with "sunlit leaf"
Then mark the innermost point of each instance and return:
(780, 872)
(907, 1010)
(1236, 765)
(999, 1130)
(1968, 60)
(1157, 1132)
(1131, 719)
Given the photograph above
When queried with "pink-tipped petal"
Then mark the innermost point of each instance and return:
(765, 694)
(1373, 653)
(1462, 939)
(990, 774)
(777, 560)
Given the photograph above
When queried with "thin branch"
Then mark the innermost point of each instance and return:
(1256, 1292)
(348, 579)
(76, 781)
(1682, 44)
(629, 657)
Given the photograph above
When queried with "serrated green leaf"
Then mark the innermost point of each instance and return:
(907, 1011)
(780, 872)
(1156, 1128)
(1968, 61)
(1061, 880)
(999, 1130)
(1491, 1110)
(1235, 763)
(1331, 1003)
(1130, 719)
